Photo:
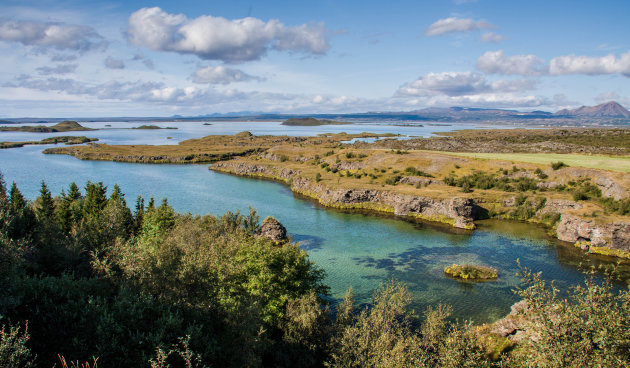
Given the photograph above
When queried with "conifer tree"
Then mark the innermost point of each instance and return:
(46, 206)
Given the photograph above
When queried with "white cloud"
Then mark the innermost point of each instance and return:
(112, 63)
(59, 69)
(607, 96)
(217, 38)
(492, 37)
(460, 84)
(220, 75)
(496, 62)
(609, 64)
(59, 36)
(452, 24)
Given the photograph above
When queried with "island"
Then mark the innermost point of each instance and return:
(64, 126)
(150, 127)
(68, 140)
(471, 272)
(311, 122)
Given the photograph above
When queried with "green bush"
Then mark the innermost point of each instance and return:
(558, 165)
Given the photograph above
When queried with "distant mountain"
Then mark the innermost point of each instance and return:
(606, 110)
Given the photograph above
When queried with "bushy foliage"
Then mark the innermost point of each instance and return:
(590, 328)
(94, 279)
(484, 180)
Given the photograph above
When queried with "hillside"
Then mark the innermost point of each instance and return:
(64, 126)
(605, 110)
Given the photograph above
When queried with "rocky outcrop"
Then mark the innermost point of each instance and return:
(515, 326)
(418, 180)
(458, 212)
(611, 189)
(592, 236)
(273, 230)
(558, 206)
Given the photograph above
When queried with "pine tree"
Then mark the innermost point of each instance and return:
(22, 217)
(46, 206)
(95, 200)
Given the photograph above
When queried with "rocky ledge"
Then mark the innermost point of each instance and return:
(458, 212)
(608, 239)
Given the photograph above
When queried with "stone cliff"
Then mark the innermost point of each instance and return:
(458, 212)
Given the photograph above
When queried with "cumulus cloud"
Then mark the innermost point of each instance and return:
(460, 84)
(58, 36)
(152, 92)
(59, 69)
(496, 62)
(573, 64)
(217, 38)
(220, 75)
(112, 63)
(452, 24)
(491, 37)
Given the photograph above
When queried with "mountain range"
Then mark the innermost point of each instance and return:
(609, 113)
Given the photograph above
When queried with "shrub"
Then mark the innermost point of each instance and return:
(558, 165)
(393, 180)
(416, 172)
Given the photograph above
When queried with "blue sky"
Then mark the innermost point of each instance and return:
(139, 58)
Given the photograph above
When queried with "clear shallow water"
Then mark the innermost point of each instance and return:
(353, 248)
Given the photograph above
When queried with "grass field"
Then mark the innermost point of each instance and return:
(613, 163)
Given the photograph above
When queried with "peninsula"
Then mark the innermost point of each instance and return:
(575, 181)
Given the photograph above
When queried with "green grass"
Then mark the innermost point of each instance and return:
(613, 163)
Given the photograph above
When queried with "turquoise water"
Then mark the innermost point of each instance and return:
(354, 249)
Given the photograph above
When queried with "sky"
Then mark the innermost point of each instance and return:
(100, 58)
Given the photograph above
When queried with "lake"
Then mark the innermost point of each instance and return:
(354, 249)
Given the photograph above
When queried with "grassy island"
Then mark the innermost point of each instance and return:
(311, 122)
(150, 127)
(64, 126)
(471, 272)
(68, 140)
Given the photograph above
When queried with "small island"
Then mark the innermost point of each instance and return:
(311, 122)
(471, 272)
(150, 127)
(64, 126)
(69, 140)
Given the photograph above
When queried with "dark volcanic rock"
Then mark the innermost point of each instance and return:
(272, 229)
